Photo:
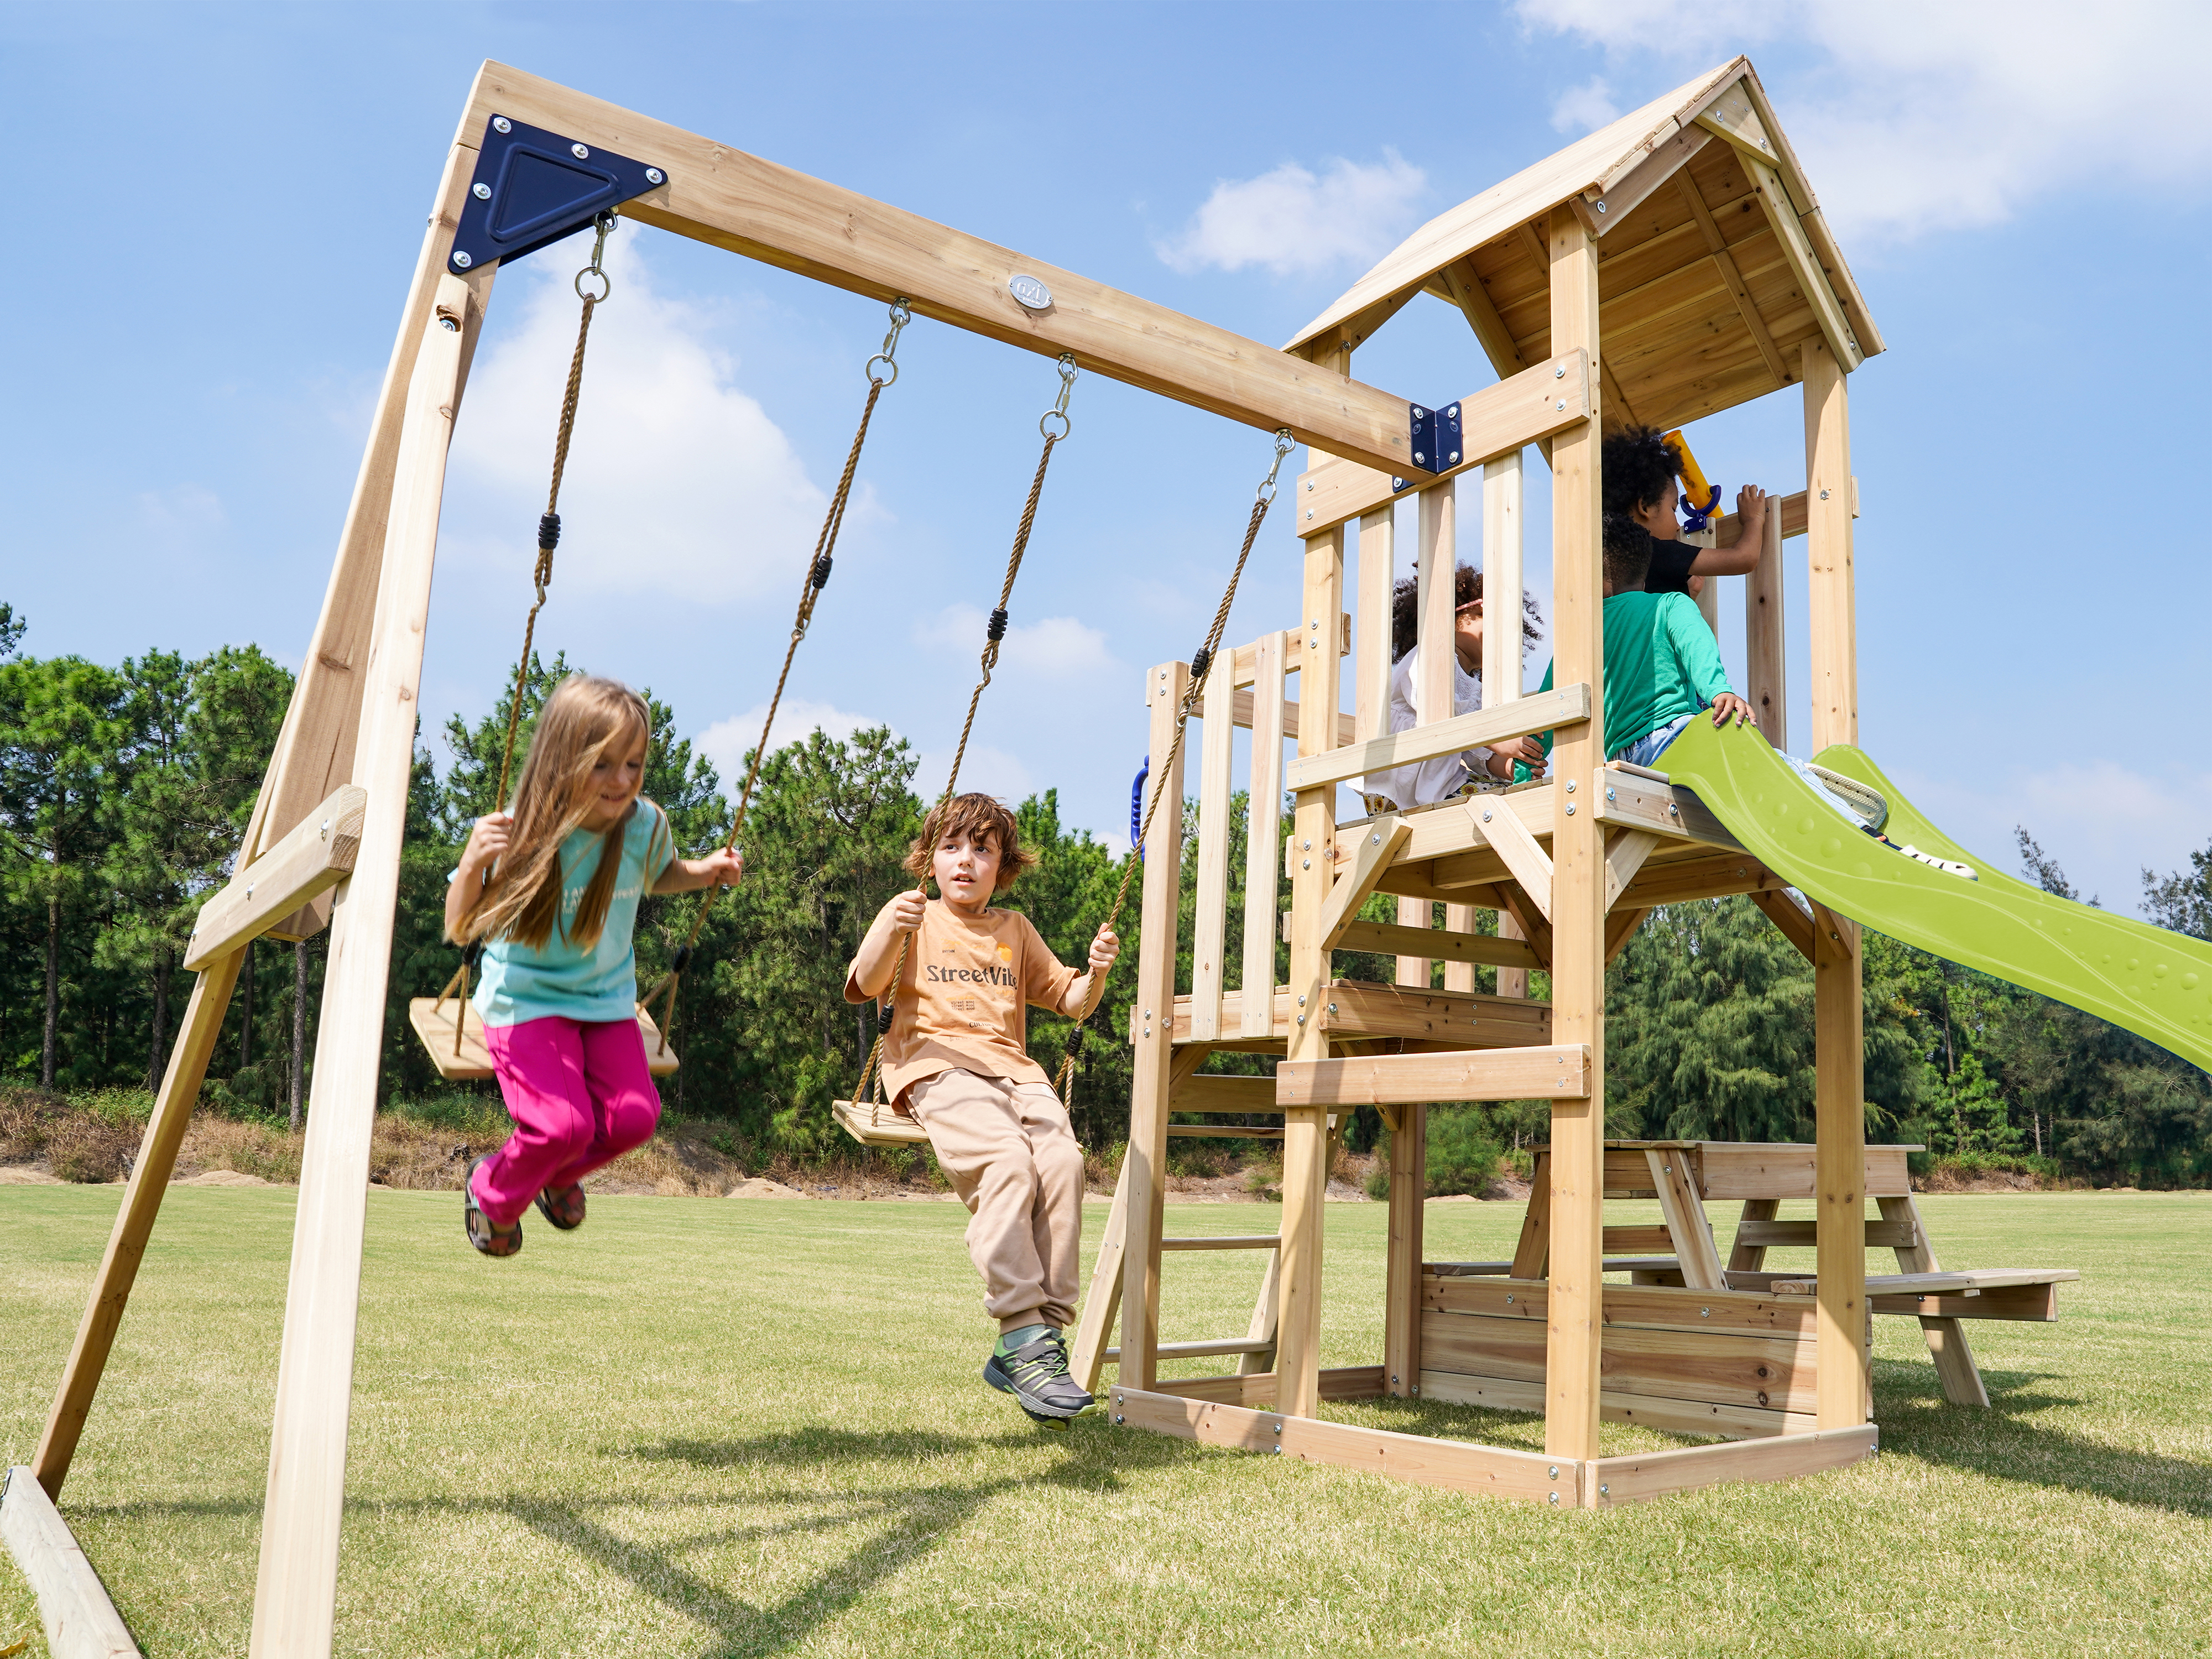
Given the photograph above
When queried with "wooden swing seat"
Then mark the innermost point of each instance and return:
(872, 1125)
(432, 1020)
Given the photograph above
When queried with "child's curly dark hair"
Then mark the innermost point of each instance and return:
(1639, 463)
(1466, 586)
(1628, 553)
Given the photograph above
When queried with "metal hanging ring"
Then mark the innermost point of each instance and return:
(606, 284)
(890, 362)
(1067, 426)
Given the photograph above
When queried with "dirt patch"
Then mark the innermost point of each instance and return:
(22, 1175)
(762, 1186)
(1946, 1178)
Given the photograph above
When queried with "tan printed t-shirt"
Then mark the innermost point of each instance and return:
(961, 997)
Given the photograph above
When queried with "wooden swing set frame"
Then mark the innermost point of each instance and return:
(325, 841)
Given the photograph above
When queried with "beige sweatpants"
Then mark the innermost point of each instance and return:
(1013, 1161)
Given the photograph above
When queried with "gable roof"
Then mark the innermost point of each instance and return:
(1711, 274)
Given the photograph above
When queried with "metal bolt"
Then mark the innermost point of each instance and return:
(481, 192)
(1705, 1313)
(326, 828)
(1824, 494)
(1560, 404)
(1454, 411)
(1676, 810)
(1570, 809)
(1375, 841)
(1570, 786)
(1419, 456)
(1332, 1007)
(1119, 1418)
(1419, 414)
(461, 259)
(1307, 845)
(1394, 1382)
(1555, 1497)
(1310, 513)
(1555, 1471)
(1302, 1002)
(1509, 1301)
(654, 176)
(1603, 1490)
(1485, 815)
(580, 152)
(1315, 622)
(1600, 207)
(1453, 456)
(501, 123)
(449, 326)
(1148, 1013)
(1306, 865)
(1308, 486)
(1302, 1020)
(1559, 372)
(249, 892)
(1608, 791)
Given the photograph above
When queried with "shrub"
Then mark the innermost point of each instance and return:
(1461, 1156)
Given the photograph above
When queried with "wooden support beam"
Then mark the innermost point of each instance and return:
(721, 195)
(1521, 909)
(1625, 853)
(1947, 1347)
(1394, 938)
(1604, 208)
(1223, 1242)
(296, 1592)
(1780, 1457)
(314, 858)
(1790, 917)
(1464, 284)
(1305, 1130)
(1376, 848)
(1828, 554)
(1189, 1092)
(1724, 262)
(1372, 655)
(1144, 1173)
(1690, 1235)
(1402, 1306)
(1453, 1465)
(80, 1622)
(1620, 927)
(1766, 675)
(1266, 1309)
(1555, 1072)
(1199, 1350)
(1530, 864)
(134, 1220)
(1576, 912)
(1500, 420)
(1804, 264)
(1094, 1325)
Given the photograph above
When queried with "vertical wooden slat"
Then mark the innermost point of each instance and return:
(1144, 1172)
(1305, 1130)
(1459, 976)
(1511, 982)
(295, 1591)
(1765, 669)
(1094, 1326)
(1839, 1064)
(1210, 911)
(1578, 1162)
(1709, 604)
(1401, 1317)
(1501, 635)
(1263, 840)
(1371, 647)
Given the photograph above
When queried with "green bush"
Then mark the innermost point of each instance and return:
(1461, 1156)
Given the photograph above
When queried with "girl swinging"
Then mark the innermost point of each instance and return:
(552, 885)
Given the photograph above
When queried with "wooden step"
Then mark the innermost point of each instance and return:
(1349, 1009)
(1226, 1241)
(1197, 1350)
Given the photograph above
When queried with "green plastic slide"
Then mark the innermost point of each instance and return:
(2155, 983)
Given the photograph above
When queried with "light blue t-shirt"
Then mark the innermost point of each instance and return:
(594, 982)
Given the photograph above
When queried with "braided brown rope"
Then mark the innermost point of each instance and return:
(1201, 669)
(994, 631)
(810, 592)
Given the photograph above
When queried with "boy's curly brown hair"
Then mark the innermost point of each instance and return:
(984, 819)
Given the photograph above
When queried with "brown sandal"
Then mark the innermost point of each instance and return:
(492, 1240)
(562, 1205)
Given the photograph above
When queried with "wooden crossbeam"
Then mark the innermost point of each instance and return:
(1538, 712)
(719, 194)
(314, 858)
(1554, 1071)
(1392, 938)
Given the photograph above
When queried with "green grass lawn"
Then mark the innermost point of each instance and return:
(713, 1427)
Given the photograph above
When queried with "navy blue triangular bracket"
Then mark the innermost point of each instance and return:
(532, 187)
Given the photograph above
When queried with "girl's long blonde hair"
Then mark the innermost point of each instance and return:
(586, 721)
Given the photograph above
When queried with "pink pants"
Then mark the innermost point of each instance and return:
(581, 1096)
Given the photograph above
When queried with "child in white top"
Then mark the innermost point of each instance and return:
(1428, 781)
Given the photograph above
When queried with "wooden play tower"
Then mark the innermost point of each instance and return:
(1670, 266)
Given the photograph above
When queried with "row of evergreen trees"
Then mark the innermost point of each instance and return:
(123, 794)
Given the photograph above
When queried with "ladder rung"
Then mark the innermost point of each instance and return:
(1197, 1350)
(1226, 1242)
(1219, 1132)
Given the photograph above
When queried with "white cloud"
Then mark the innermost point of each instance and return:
(678, 481)
(727, 742)
(1585, 108)
(983, 768)
(1292, 220)
(1054, 648)
(1914, 117)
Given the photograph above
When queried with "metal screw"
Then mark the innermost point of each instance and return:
(1332, 1007)
(1419, 414)
(1600, 207)
(1555, 1471)
(1148, 1013)
(1509, 1301)
(326, 828)
(1454, 411)
(1485, 815)
(1824, 494)
(1561, 404)
(1306, 865)
(1676, 810)
(1570, 809)
(1608, 791)
(1307, 845)
(1570, 786)
(580, 152)
(1555, 1497)
(1454, 455)
(1559, 372)
(1302, 1020)
(1315, 622)
(1705, 1313)
(1302, 1002)
(1310, 513)
(1375, 841)
(481, 192)
(1119, 1418)
(1394, 1382)
(1603, 1490)
(654, 176)
(1419, 456)
(461, 259)
(449, 326)
(249, 892)
(501, 123)
(1308, 486)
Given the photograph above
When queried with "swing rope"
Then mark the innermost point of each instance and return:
(993, 632)
(810, 590)
(1201, 666)
(549, 538)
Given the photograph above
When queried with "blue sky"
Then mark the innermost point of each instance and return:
(222, 205)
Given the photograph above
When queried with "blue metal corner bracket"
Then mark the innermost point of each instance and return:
(1436, 436)
(532, 187)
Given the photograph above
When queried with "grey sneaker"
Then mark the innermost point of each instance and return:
(1036, 1375)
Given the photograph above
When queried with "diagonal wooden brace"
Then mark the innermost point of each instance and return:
(1624, 856)
(1379, 844)
(1508, 837)
(314, 858)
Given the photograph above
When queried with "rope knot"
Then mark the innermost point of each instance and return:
(997, 629)
(549, 532)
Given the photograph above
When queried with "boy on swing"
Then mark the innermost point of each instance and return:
(956, 1059)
